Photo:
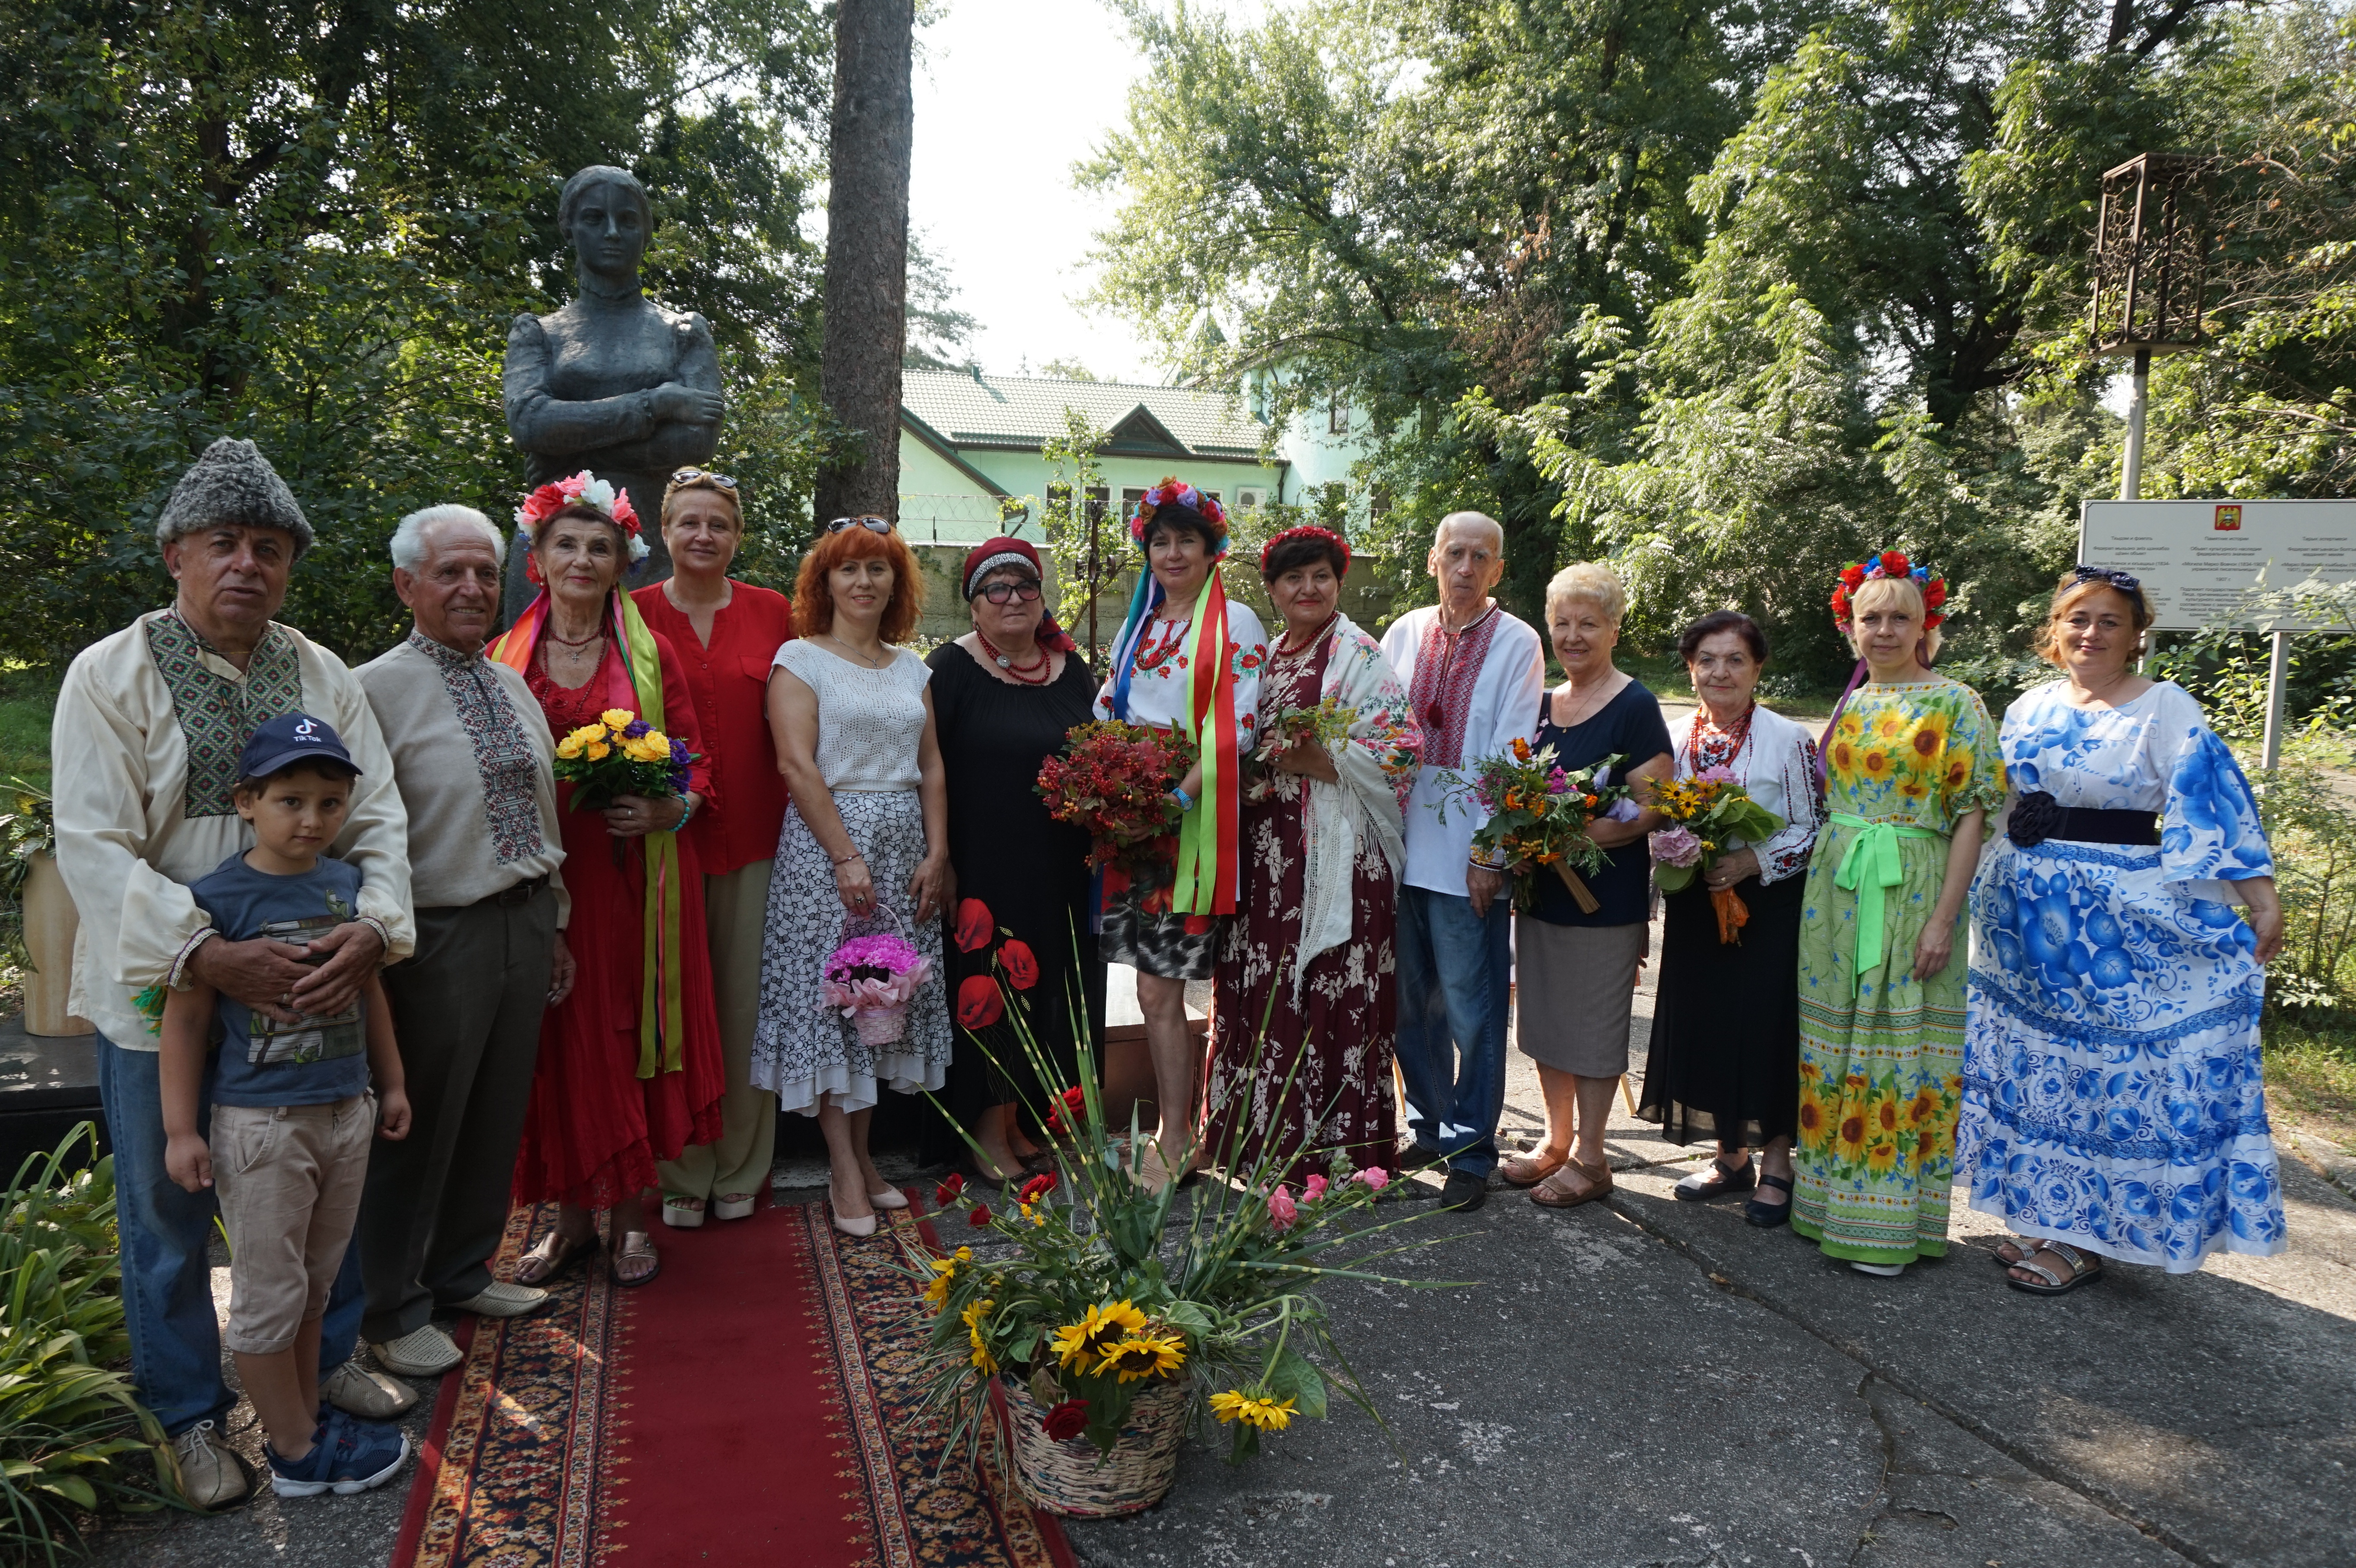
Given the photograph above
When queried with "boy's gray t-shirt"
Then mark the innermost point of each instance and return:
(319, 1059)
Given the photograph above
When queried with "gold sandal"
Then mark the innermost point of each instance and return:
(1551, 1194)
(557, 1254)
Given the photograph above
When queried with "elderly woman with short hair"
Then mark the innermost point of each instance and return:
(630, 1067)
(1724, 1061)
(1004, 696)
(1576, 969)
(727, 633)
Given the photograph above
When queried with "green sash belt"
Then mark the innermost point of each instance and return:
(1870, 868)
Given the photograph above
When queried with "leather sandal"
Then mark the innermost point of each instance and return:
(2083, 1270)
(1767, 1216)
(1552, 1194)
(557, 1254)
(1716, 1181)
(1521, 1171)
(635, 1244)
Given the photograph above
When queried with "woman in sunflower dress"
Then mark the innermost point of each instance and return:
(1911, 770)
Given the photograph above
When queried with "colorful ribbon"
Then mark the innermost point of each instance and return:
(1210, 836)
(1871, 867)
(662, 1002)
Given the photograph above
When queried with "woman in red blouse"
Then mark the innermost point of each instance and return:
(727, 633)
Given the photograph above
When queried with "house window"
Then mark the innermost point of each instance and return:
(1059, 495)
(1378, 502)
(1337, 415)
(1129, 500)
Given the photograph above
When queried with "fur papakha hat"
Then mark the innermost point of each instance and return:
(232, 483)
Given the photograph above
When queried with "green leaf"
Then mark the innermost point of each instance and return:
(1294, 1377)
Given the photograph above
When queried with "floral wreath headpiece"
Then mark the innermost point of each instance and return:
(587, 489)
(1307, 531)
(1889, 564)
(1173, 490)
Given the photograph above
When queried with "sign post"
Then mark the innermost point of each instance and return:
(2282, 567)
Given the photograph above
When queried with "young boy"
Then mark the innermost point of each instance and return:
(292, 1115)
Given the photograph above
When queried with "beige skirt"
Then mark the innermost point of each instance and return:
(1574, 987)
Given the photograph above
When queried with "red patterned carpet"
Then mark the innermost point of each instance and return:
(754, 1404)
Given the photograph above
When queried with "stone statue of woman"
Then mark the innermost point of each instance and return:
(614, 382)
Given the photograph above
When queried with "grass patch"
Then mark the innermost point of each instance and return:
(29, 696)
(2311, 1079)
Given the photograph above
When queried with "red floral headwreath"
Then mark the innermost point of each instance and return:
(1307, 531)
(584, 488)
(1889, 564)
(1176, 490)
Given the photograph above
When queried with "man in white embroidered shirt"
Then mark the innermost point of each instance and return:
(145, 747)
(1474, 675)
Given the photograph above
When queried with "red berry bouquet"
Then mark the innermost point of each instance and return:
(1114, 779)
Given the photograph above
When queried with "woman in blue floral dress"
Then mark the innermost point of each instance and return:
(2113, 1106)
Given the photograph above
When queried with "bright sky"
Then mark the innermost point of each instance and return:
(1010, 94)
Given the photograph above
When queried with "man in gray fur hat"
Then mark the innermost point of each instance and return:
(145, 747)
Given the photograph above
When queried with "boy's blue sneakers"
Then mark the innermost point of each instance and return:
(347, 1455)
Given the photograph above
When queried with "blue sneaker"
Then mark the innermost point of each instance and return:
(346, 1456)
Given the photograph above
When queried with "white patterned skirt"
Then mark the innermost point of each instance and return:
(804, 1049)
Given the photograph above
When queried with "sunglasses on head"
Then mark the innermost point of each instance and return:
(999, 592)
(2126, 583)
(872, 525)
(690, 475)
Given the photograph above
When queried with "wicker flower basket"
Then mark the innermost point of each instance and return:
(881, 1026)
(1072, 1478)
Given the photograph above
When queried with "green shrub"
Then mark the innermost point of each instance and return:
(2311, 820)
(66, 1418)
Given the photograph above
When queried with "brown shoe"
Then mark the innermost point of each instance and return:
(1521, 1171)
(211, 1475)
(1554, 1192)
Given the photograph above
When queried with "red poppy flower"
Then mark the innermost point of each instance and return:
(979, 1003)
(1895, 564)
(980, 1217)
(1853, 575)
(1070, 1105)
(947, 1192)
(973, 925)
(1038, 1187)
(1021, 965)
(1066, 1421)
(1935, 595)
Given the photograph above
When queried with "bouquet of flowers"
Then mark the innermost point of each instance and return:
(872, 979)
(621, 755)
(1114, 779)
(1705, 813)
(1319, 725)
(1108, 1328)
(1539, 815)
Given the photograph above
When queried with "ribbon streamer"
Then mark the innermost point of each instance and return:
(1871, 867)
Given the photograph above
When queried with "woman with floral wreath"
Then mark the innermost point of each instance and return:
(629, 1069)
(1912, 771)
(1188, 658)
(1311, 949)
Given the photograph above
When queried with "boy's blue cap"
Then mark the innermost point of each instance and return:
(289, 739)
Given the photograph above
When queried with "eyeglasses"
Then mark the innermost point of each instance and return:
(696, 476)
(872, 525)
(999, 592)
(2126, 583)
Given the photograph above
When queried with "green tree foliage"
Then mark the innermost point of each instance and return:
(312, 228)
(1733, 293)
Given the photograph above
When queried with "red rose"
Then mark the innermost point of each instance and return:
(1021, 967)
(1931, 621)
(1071, 1103)
(1894, 564)
(979, 1004)
(1935, 595)
(980, 1217)
(947, 1192)
(1038, 1187)
(1853, 575)
(973, 925)
(1066, 1421)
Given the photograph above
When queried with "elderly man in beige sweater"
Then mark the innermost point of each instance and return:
(474, 760)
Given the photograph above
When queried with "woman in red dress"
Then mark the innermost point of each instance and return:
(611, 1094)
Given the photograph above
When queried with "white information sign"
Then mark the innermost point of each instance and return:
(2260, 564)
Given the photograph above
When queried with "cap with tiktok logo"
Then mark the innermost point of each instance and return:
(290, 738)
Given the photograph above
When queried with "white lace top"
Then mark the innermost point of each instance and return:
(869, 721)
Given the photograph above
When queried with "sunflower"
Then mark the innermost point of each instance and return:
(1959, 767)
(1099, 1329)
(1252, 1410)
(1810, 1072)
(945, 1272)
(975, 1316)
(1879, 764)
(1927, 1146)
(1851, 726)
(1922, 1108)
(1813, 1120)
(1884, 1115)
(1844, 758)
(1144, 1356)
(1852, 1135)
(1881, 1155)
(1930, 736)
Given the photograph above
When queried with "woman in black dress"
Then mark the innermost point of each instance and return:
(1004, 696)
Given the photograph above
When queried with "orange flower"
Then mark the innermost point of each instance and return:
(1521, 750)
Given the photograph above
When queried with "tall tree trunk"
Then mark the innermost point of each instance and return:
(867, 254)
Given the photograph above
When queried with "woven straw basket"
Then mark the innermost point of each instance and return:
(1072, 1478)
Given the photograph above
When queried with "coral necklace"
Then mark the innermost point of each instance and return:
(1020, 672)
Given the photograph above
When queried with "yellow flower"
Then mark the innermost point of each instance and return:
(1267, 1414)
(1885, 1115)
(945, 1272)
(1096, 1331)
(1923, 1107)
(1144, 1356)
(643, 750)
(617, 717)
(586, 733)
(976, 1316)
(1881, 1155)
(1959, 767)
(1929, 738)
(596, 751)
(1852, 1135)
(568, 748)
(1878, 762)
(1851, 724)
(1813, 1120)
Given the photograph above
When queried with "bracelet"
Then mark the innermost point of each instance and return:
(686, 811)
(1185, 802)
(846, 859)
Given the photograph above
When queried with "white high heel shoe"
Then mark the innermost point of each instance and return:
(864, 1226)
(890, 1197)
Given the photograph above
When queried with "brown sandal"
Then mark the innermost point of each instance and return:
(1552, 1194)
(1521, 1171)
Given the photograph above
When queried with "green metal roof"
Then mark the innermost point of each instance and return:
(1018, 413)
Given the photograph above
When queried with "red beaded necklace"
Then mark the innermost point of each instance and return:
(1022, 673)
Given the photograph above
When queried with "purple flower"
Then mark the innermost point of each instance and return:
(679, 752)
(1715, 775)
(1676, 847)
(636, 728)
(1557, 782)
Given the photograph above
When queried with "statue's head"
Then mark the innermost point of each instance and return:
(605, 214)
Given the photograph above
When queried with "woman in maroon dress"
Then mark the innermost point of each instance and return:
(608, 1097)
(1311, 950)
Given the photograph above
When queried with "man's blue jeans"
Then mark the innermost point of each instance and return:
(161, 1230)
(1454, 970)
